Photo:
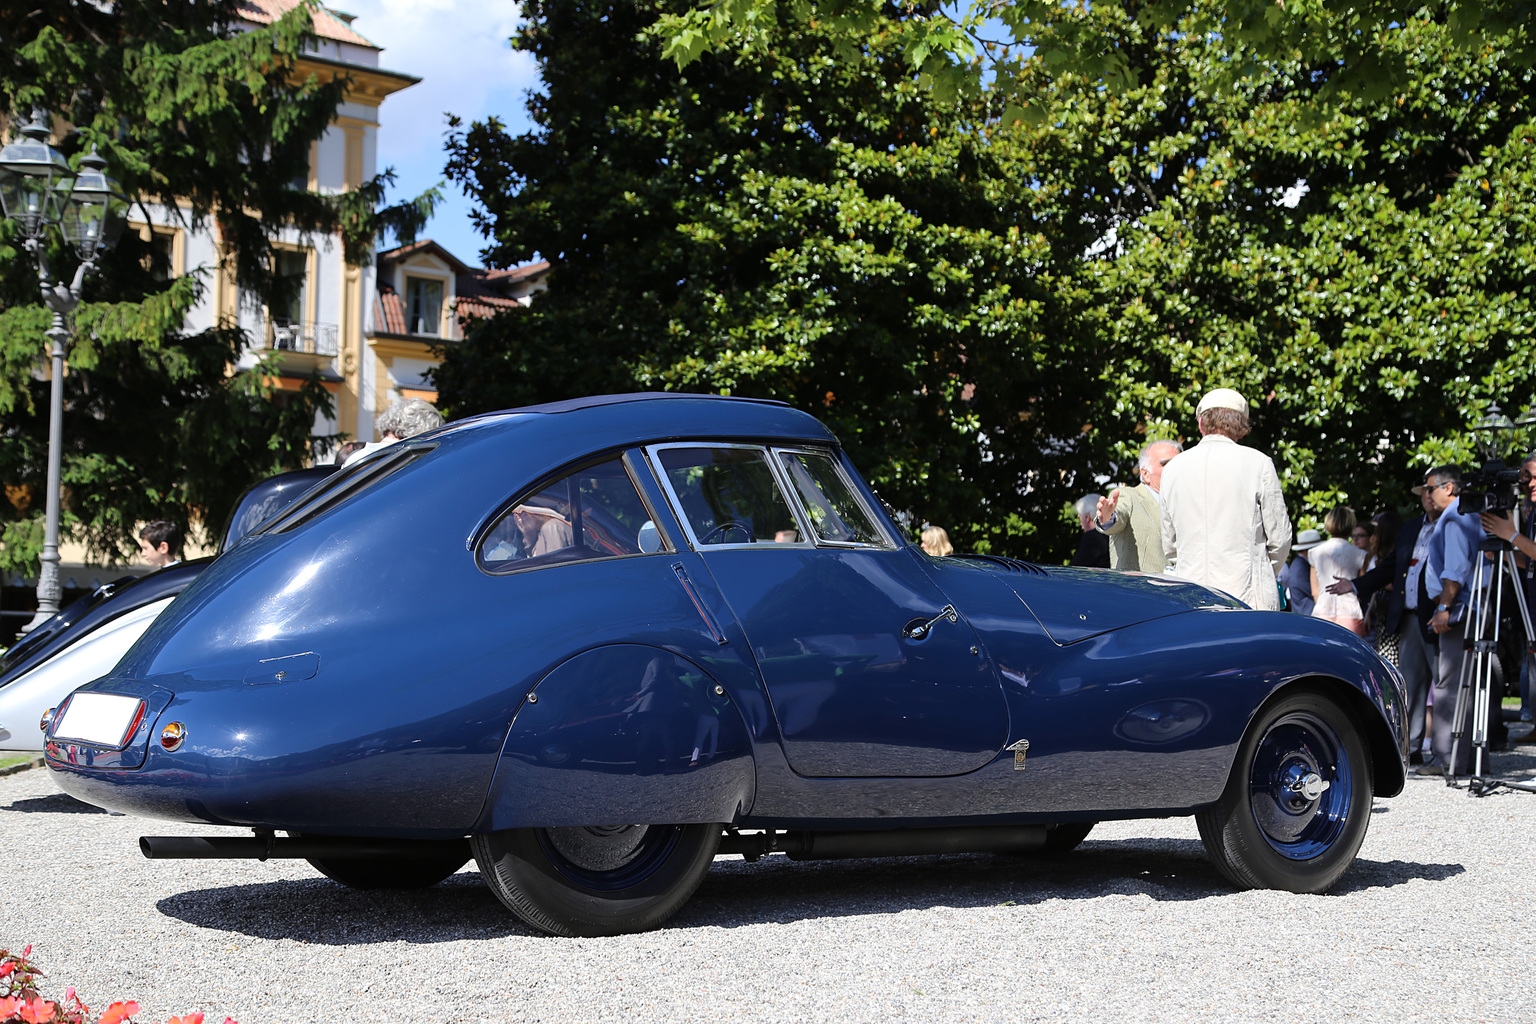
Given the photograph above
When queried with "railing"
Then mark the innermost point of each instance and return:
(297, 336)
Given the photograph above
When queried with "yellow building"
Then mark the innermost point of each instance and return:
(369, 332)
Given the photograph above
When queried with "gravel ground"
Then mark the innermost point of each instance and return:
(1432, 924)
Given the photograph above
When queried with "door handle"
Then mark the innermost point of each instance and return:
(920, 630)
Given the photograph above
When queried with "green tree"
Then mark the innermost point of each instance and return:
(189, 110)
(1356, 44)
(1375, 318)
(1091, 261)
(781, 224)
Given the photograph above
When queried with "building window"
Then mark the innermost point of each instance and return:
(423, 305)
(162, 259)
(293, 271)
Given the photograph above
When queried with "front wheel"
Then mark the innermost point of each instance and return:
(1298, 801)
(596, 880)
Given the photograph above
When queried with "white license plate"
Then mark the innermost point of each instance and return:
(100, 718)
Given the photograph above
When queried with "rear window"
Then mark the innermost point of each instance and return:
(342, 486)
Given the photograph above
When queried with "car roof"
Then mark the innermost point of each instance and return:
(649, 416)
(593, 401)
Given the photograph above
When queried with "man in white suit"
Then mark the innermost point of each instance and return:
(1133, 516)
(1224, 520)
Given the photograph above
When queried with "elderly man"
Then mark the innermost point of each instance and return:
(1224, 520)
(405, 418)
(1133, 517)
(1093, 547)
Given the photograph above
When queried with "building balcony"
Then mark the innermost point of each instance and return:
(301, 347)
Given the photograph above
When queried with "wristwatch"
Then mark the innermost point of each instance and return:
(1442, 607)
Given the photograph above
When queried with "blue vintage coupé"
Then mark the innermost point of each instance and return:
(594, 644)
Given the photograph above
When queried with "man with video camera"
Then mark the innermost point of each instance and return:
(1523, 541)
(1454, 547)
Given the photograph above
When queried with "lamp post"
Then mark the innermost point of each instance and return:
(38, 190)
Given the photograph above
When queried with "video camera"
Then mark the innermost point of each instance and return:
(1494, 487)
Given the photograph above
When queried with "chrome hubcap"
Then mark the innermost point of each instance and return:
(1299, 786)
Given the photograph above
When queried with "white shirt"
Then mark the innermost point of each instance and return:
(1416, 568)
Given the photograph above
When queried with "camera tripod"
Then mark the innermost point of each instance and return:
(1474, 692)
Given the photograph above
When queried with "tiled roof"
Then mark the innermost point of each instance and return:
(477, 292)
(389, 311)
(400, 252)
(484, 305)
(327, 25)
(514, 274)
(479, 296)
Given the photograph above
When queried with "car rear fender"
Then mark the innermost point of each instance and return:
(618, 735)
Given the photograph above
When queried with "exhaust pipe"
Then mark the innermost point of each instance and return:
(800, 845)
(267, 846)
(899, 842)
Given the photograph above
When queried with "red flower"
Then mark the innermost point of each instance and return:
(191, 1018)
(7, 967)
(38, 1011)
(118, 1012)
(8, 1005)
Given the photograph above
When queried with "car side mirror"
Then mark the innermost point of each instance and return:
(649, 539)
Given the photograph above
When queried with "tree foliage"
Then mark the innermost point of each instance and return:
(1369, 322)
(782, 225)
(1353, 45)
(196, 114)
(996, 303)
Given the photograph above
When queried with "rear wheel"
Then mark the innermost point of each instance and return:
(597, 880)
(1065, 838)
(1298, 801)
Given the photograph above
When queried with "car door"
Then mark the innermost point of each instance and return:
(870, 669)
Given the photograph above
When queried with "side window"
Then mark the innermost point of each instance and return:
(729, 496)
(835, 511)
(593, 512)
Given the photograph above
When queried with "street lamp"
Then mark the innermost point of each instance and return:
(38, 189)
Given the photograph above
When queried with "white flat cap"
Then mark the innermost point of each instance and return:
(1222, 398)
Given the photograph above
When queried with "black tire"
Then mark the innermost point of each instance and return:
(1065, 838)
(1061, 840)
(389, 872)
(608, 880)
(1273, 827)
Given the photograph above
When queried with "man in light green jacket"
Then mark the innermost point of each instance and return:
(1133, 517)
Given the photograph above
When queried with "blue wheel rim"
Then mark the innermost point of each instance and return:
(1300, 786)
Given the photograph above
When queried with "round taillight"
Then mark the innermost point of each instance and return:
(172, 735)
(47, 719)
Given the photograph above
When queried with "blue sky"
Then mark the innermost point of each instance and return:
(461, 51)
